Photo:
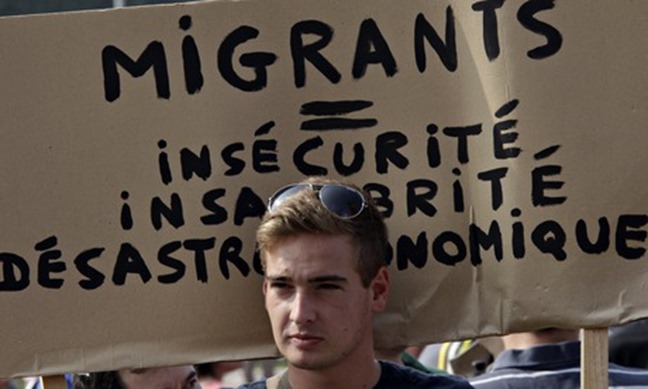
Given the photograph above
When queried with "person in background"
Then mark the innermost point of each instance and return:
(211, 374)
(176, 377)
(548, 358)
(267, 368)
(468, 358)
(629, 344)
(323, 246)
(7, 384)
(401, 356)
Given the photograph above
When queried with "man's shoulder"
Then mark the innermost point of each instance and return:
(396, 376)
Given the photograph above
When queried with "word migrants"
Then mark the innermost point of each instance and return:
(308, 41)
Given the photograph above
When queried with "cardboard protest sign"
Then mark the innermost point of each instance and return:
(505, 143)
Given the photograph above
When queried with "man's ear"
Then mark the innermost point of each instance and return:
(264, 287)
(380, 290)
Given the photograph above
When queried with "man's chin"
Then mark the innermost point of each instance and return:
(308, 362)
(308, 365)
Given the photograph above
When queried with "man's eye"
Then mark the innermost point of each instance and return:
(279, 285)
(329, 286)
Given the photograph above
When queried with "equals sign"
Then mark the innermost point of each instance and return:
(332, 110)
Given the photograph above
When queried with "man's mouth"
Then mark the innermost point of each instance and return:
(304, 340)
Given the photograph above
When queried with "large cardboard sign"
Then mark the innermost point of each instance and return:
(505, 142)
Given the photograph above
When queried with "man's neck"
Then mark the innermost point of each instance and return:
(358, 375)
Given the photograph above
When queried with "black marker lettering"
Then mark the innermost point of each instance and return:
(259, 61)
(380, 195)
(549, 237)
(495, 177)
(174, 214)
(479, 238)
(421, 201)
(433, 151)
(356, 163)
(248, 204)
(236, 164)
(218, 213)
(408, 251)
(517, 238)
(447, 51)
(194, 164)
(190, 59)
(490, 33)
(602, 242)
(624, 234)
(457, 192)
(199, 246)
(48, 265)
(165, 258)
(370, 37)
(125, 217)
(230, 252)
(94, 278)
(387, 146)
(300, 153)
(153, 56)
(163, 163)
(15, 271)
(462, 134)
(442, 255)
(129, 260)
(526, 16)
(301, 52)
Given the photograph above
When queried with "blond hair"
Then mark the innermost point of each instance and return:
(303, 213)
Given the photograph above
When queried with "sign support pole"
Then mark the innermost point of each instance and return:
(594, 358)
(54, 382)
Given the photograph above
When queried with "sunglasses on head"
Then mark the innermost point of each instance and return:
(343, 201)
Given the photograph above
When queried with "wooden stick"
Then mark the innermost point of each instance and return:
(54, 382)
(594, 358)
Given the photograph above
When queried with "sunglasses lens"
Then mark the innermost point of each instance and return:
(285, 193)
(342, 201)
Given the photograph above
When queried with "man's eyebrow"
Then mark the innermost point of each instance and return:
(327, 278)
(277, 278)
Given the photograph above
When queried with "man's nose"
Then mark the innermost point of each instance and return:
(303, 308)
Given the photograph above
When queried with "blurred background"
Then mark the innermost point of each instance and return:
(23, 7)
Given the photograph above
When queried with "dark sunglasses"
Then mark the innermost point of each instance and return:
(341, 200)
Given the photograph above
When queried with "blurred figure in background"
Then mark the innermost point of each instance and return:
(211, 375)
(548, 358)
(7, 384)
(267, 368)
(399, 355)
(468, 358)
(176, 377)
(629, 344)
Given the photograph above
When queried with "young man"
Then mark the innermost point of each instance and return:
(323, 246)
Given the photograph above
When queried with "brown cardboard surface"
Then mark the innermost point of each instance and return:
(561, 88)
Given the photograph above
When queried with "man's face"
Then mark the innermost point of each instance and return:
(178, 377)
(321, 315)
